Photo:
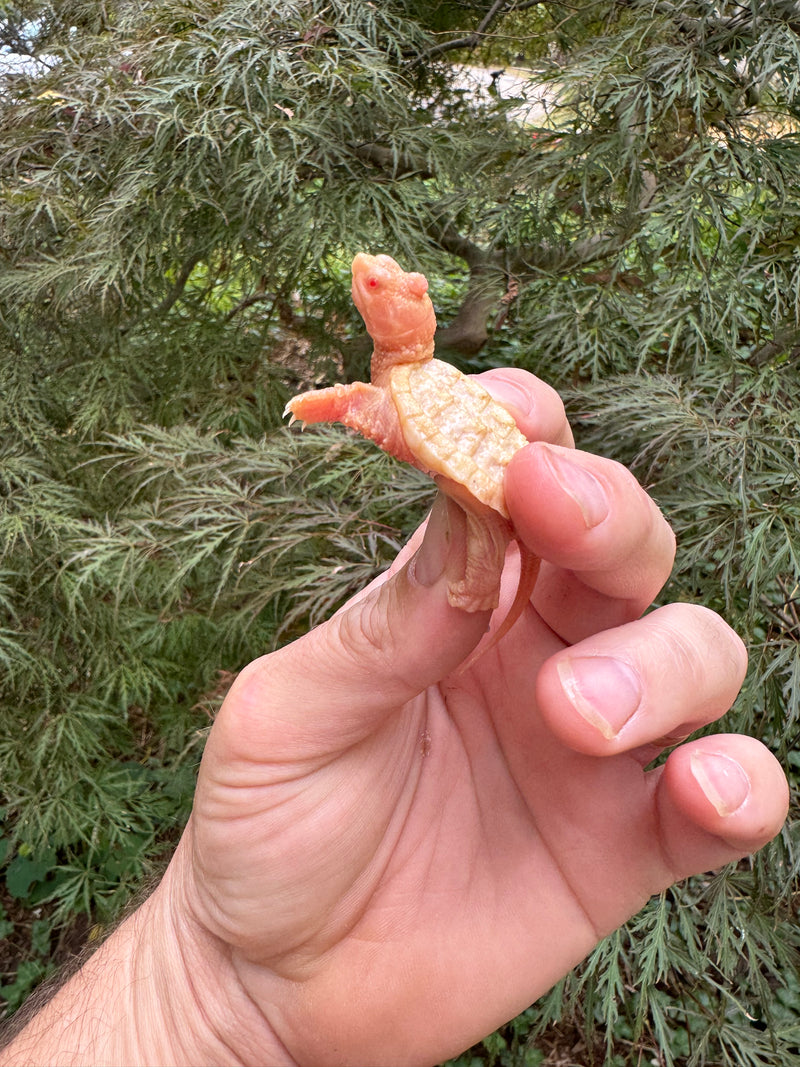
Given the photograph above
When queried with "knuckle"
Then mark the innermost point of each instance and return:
(702, 647)
(362, 629)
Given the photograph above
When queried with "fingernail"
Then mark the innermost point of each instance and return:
(510, 394)
(603, 690)
(431, 557)
(580, 484)
(722, 779)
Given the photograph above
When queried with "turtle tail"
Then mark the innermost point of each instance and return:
(529, 564)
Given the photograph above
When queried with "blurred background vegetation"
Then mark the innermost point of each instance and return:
(607, 194)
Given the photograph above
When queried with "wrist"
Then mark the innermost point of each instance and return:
(188, 981)
(161, 990)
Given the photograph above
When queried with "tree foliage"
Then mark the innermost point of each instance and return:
(182, 186)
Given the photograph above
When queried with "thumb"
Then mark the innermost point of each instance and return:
(383, 648)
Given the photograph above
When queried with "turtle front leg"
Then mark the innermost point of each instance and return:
(340, 403)
(361, 406)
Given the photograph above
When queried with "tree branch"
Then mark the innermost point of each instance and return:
(394, 164)
(180, 283)
(786, 340)
(446, 236)
(470, 40)
(257, 297)
(468, 331)
(731, 25)
(14, 39)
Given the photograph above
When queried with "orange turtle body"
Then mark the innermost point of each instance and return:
(427, 413)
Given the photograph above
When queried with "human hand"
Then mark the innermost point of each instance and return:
(401, 857)
(387, 858)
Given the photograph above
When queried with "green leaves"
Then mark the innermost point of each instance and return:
(128, 629)
(157, 145)
(205, 541)
(183, 185)
(25, 871)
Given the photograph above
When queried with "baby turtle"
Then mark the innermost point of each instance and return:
(426, 412)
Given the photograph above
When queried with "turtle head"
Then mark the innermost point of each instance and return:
(395, 307)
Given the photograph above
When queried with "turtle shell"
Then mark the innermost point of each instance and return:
(453, 427)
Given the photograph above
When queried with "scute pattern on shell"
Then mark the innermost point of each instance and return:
(455, 428)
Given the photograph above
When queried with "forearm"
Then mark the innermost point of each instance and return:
(158, 991)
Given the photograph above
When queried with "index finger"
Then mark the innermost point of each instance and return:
(537, 408)
(607, 548)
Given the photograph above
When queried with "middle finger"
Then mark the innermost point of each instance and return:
(643, 685)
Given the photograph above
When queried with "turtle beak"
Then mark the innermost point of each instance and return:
(363, 263)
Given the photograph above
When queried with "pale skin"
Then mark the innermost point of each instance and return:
(388, 859)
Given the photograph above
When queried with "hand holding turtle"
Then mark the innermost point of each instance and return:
(386, 858)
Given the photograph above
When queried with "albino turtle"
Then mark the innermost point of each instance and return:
(428, 413)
